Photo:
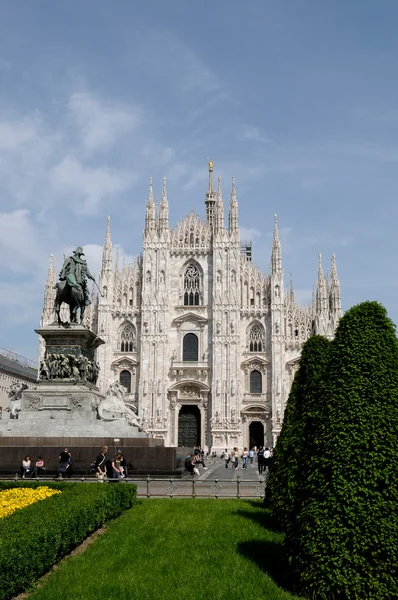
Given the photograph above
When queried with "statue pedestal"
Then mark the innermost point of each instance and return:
(74, 340)
(65, 401)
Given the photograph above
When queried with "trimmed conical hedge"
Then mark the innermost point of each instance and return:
(302, 404)
(345, 543)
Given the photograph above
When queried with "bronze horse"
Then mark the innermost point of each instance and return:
(74, 297)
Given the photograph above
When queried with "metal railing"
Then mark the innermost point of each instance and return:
(169, 487)
(197, 488)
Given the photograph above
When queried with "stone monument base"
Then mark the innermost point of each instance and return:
(65, 409)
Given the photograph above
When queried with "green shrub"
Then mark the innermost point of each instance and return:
(345, 544)
(296, 433)
(34, 538)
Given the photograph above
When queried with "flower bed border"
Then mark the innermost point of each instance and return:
(39, 535)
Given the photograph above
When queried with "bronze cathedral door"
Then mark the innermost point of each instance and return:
(189, 426)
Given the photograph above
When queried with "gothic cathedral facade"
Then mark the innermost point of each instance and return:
(205, 343)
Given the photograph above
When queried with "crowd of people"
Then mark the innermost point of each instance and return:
(262, 456)
(116, 467)
(106, 468)
(102, 467)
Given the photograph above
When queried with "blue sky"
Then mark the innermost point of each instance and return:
(297, 100)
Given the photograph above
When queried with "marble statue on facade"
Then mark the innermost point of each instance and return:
(15, 398)
(114, 406)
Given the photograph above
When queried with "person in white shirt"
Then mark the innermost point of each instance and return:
(227, 458)
(267, 455)
(245, 458)
(251, 456)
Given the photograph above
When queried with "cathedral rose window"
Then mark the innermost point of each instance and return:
(127, 338)
(192, 291)
(256, 338)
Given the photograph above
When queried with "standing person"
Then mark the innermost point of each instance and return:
(116, 467)
(260, 459)
(39, 467)
(100, 463)
(227, 458)
(25, 467)
(233, 458)
(245, 458)
(251, 455)
(267, 455)
(63, 462)
(69, 470)
(123, 464)
(236, 463)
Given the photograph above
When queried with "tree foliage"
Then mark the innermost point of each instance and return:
(345, 541)
(296, 432)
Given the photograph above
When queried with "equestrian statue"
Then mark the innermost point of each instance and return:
(72, 286)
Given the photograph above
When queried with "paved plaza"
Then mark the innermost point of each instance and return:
(216, 481)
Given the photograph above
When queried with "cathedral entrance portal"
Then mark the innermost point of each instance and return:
(256, 434)
(189, 426)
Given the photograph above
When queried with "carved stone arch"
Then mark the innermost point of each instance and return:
(255, 337)
(191, 283)
(127, 337)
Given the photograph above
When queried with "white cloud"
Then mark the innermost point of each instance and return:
(248, 132)
(101, 124)
(86, 186)
(249, 233)
(20, 242)
(22, 302)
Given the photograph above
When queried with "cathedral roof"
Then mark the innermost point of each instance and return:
(192, 233)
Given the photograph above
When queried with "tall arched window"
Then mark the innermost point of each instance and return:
(125, 380)
(192, 288)
(190, 347)
(256, 338)
(127, 338)
(256, 382)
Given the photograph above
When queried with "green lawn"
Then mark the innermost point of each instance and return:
(176, 549)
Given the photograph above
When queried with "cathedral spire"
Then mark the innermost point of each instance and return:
(150, 210)
(49, 293)
(233, 210)
(276, 255)
(291, 289)
(117, 262)
(334, 294)
(210, 198)
(107, 249)
(321, 288)
(164, 209)
(219, 207)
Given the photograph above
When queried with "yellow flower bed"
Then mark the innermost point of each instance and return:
(16, 498)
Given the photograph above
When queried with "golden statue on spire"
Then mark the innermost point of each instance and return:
(210, 166)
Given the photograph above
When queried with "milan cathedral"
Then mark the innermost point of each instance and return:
(205, 343)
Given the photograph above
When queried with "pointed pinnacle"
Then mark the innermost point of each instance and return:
(150, 193)
(164, 192)
(276, 235)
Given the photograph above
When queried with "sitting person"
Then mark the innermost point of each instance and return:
(199, 461)
(25, 467)
(39, 467)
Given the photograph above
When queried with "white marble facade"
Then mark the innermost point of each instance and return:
(193, 322)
